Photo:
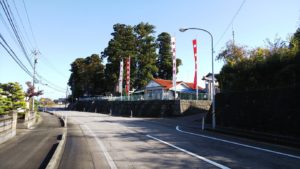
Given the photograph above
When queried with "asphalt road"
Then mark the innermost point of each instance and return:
(101, 141)
(31, 148)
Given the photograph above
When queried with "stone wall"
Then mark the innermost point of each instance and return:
(28, 121)
(8, 127)
(145, 108)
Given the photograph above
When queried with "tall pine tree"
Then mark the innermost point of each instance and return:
(164, 60)
(121, 46)
(146, 54)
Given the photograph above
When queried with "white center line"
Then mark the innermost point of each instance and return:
(240, 144)
(190, 153)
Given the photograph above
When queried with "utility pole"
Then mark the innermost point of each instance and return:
(35, 53)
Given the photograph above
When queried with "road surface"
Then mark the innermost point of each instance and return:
(31, 148)
(101, 141)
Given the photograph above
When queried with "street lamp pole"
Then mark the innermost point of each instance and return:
(213, 74)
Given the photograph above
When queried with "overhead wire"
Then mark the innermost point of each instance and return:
(14, 56)
(21, 21)
(9, 15)
(18, 39)
(31, 30)
(230, 23)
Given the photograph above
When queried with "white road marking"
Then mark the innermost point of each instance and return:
(240, 144)
(190, 153)
(110, 161)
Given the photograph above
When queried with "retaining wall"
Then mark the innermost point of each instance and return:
(145, 108)
(8, 127)
(28, 121)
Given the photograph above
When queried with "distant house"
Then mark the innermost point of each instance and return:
(208, 84)
(160, 89)
(60, 101)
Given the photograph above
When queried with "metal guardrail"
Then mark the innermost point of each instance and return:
(182, 96)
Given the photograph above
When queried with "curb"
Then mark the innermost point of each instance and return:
(62, 118)
(56, 158)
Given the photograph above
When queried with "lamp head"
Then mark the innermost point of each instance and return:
(183, 29)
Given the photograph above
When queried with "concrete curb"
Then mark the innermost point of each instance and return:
(63, 118)
(56, 158)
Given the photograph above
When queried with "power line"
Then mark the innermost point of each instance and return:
(26, 34)
(18, 38)
(49, 64)
(14, 56)
(10, 18)
(29, 24)
(231, 22)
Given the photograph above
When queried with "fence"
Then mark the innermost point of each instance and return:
(140, 97)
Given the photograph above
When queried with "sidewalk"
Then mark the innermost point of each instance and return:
(31, 148)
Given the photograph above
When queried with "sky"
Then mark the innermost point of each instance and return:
(63, 30)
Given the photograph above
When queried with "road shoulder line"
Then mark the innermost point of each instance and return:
(239, 144)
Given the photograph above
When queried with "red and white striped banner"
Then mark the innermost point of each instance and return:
(128, 75)
(120, 88)
(196, 65)
(173, 45)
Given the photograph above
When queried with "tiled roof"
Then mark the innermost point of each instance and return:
(191, 85)
(167, 84)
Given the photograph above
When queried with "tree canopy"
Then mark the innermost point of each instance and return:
(137, 42)
(164, 59)
(12, 97)
(87, 76)
(275, 66)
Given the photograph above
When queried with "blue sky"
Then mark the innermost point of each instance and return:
(67, 29)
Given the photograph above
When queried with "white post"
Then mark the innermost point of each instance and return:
(203, 121)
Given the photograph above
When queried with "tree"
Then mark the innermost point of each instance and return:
(275, 66)
(121, 46)
(87, 77)
(5, 104)
(30, 91)
(164, 60)
(46, 102)
(232, 53)
(146, 55)
(11, 97)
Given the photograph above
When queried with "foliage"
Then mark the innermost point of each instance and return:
(46, 102)
(232, 53)
(30, 91)
(145, 66)
(87, 77)
(164, 60)
(137, 42)
(11, 97)
(275, 66)
(120, 47)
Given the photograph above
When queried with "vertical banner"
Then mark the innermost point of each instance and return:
(128, 75)
(173, 46)
(196, 66)
(120, 89)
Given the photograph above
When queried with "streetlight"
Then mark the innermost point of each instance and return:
(213, 74)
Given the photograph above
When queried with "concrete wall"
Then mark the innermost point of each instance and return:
(8, 127)
(28, 121)
(145, 108)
